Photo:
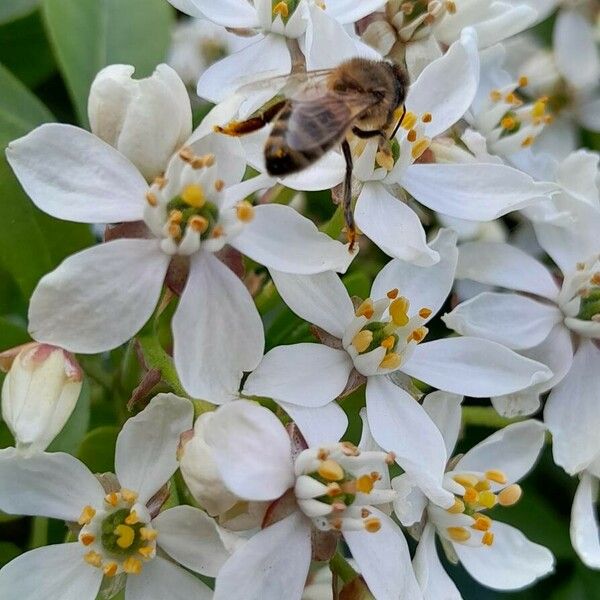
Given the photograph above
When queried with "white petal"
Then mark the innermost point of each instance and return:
(410, 501)
(510, 563)
(447, 86)
(575, 44)
(272, 565)
(474, 367)
(49, 485)
(384, 560)
(513, 450)
(229, 13)
(326, 173)
(188, 7)
(445, 411)
(265, 58)
(252, 451)
(584, 522)
(512, 320)
(419, 54)
(304, 374)
(350, 11)
(71, 174)
(156, 430)
(401, 425)
(319, 426)
(320, 299)
(50, 573)
(280, 238)
(425, 287)
(191, 537)
(578, 173)
(99, 298)
(572, 411)
(472, 191)
(392, 225)
(163, 579)
(433, 579)
(217, 331)
(496, 263)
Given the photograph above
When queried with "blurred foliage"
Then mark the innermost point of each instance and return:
(48, 58)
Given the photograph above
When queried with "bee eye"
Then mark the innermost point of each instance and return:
(339, 87)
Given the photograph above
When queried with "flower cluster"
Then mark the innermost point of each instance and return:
(263, 329)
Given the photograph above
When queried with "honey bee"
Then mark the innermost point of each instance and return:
(359, 97)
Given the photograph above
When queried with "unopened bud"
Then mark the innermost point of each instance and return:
(39, 393)
(147, 120)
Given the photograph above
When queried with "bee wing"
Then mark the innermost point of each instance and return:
(289, 85)
(322, 121)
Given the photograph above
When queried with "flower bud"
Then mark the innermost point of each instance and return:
(39, 393)
(147, 120)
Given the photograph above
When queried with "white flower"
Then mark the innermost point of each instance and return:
(543, 325)
(497, 555)
(39, 393)
(477, 191)
(382, 336)
(334, 488)
(118, 535)
(318, 26)
(99, 298)
(420, 36)
(198, 43)
(129, 114)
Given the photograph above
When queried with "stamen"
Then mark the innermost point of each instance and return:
(392, 294)
(219, 185)
(186, 154)
(372, 525)
(175, 216)
(365, 309)
(523, 81)
(539, 109)
(87, 538)
(388, 342)
(425, 313)
(390, 361)
(495, 95)
(129, 496)
(132, 518)
(175, 233)
(87, 514)
(349, 449)
(193, 195)
(398, 311)
(362, 340)
(450, 7)
(483, 485)
(488, 538)
(218, 231)
(409, 121)
(466, 480)
(457, 508)
(458, 534)
(126, 536)
(487, 499)
(427, 117)
(364, 484)
(198, 224)
(331, 470)
(510, 495)
(112, 499)
(411, 136)
(496, 476)
(281, 9)
(482, 523)
(471, 495)
(419, 147)
(160, 181)
(528, 141)
(151, 199)
(148, 534)
(418, 335)
(509, 123)
(146, 551)
(244, 211)
(93, 558)
(132, 566)
(110, 569)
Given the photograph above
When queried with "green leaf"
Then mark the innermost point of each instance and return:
(11, 334)
(97, 450)
(87, 35)
(8, 551)
(15, 9)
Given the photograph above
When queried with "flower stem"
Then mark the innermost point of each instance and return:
(486, 416)
(333, 227)
(340, 566)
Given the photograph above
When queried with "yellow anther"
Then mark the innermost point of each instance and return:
(148, 534)
(482, 522)
(528, 141)
(457, 508)
(174, 231)
(388, 342)
(487, 538)
(426, 117)
(281, 9)
(146, 551)
(218, 231)
(244, 211)
(487, 499)
(409, 121)
(349, 449)
(362, 340)
(390, 361)
(151, 199)
(495, 95)
(333, 489)
(385, 160)
(411, 136)
(133, 566)
(398, 311)
(175, 216)
(496, 476)
(418, 335)
(132, 518)
(129, 496)
(110, 569)
(87, 514)
(198, 224)
(186, 154)
(160, 182)
(209, 160)
(523, 81)
(87, 538)
(407, 8)
(482, 485)
(193, 195)
(331, 470)
(595, 279)
(508, 123)
(364, 484)
(372, 524)
(471, 495)
(539, 109)
(419, 147)
(451, 7)
(425, 313)
(458, 534)
(512, 98)
(365, 309)
(466, 480)
(126, 536)
(510, 495)
(93, 558)
(392, 294)
(219, 185)
(112, 499)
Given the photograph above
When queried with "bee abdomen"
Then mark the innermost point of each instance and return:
(282, 160)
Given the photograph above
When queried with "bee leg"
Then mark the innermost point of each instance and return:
(238, 128)
(365, 134)
(347, 201)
